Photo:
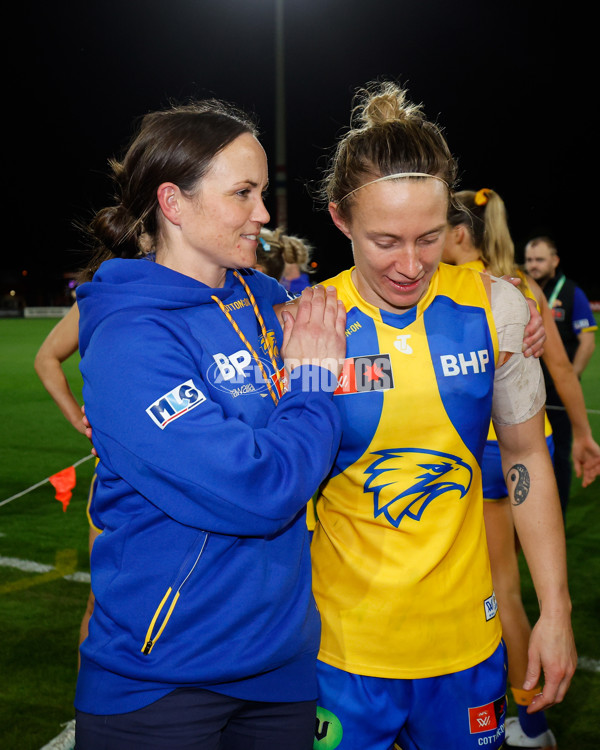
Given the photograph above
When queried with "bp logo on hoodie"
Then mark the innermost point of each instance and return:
(239, 374)
(176, 402)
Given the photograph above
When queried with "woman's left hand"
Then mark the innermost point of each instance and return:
(88, 429)
(535, 333)
(551, 651)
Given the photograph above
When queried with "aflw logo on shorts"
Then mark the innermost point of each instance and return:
(489, 717)
(173, 404)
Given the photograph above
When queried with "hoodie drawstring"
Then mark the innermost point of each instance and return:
(268, 345)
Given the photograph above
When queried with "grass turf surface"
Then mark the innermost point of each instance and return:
(40, 612)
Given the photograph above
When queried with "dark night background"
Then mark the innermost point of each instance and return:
(501, 78)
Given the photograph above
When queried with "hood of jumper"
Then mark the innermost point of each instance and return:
(121, 284)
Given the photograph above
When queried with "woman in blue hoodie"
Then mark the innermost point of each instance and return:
(205, 632)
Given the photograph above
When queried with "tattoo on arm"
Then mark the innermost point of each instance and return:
(518, 477)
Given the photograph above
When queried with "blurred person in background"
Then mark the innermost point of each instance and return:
(60, 344)
(279, 252)
(577, 328)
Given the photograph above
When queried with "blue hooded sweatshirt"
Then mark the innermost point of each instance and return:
(201, 575)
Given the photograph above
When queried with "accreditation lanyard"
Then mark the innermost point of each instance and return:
(556, 291)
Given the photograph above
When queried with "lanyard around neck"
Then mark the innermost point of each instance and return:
(248, 345)
(556, 291)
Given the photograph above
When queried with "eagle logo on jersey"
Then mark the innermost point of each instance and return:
(404, 481)
(269, 343)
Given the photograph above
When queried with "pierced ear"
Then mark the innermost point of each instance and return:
(340, 223)
(169, 200)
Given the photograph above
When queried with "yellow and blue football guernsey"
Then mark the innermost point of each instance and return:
(400, 562)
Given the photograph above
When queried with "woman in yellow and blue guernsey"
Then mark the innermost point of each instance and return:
(411, 651)
(479, 238)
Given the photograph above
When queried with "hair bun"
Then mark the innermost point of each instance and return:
(380, 103)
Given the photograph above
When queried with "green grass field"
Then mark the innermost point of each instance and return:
(40, 611)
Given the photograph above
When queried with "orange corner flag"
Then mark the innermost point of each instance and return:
(63, 482)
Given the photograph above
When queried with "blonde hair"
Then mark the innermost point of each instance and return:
(388, 135)
(485, 218)
(483, 214)
(282, 248)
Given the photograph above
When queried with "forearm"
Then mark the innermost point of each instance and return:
(569, 389)
(52, 376)
(587, 344)
(536, 512)
(564, 377)
(538, 520)
(58, 346)
(541, 534)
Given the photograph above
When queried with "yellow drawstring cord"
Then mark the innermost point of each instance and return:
(248, 345)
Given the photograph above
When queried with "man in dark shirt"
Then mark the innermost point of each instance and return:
(576, 325)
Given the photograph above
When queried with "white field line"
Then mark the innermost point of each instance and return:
(65, 740)
(562, 408)
(29, 566)
(588, 665)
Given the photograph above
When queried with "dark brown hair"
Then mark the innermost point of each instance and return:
(173, 145)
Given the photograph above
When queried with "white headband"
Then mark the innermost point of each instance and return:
(394, 177)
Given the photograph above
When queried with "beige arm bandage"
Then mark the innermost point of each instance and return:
(519, 391)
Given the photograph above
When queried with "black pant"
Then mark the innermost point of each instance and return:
(190, 719)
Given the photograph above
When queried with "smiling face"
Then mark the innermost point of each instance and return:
(398, 229)
(217, 228)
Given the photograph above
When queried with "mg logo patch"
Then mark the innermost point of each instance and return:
(173, 404)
